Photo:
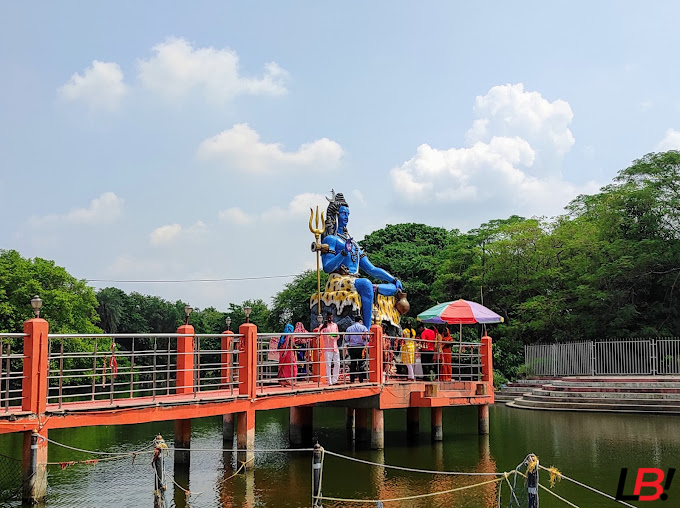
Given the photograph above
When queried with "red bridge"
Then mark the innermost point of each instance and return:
(73, 380)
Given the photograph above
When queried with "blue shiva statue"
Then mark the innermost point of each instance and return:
(344, 257)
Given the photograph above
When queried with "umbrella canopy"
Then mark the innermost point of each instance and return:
(461, 312)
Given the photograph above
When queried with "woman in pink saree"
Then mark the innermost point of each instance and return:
(287, 360)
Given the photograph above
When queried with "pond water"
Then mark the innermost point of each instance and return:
(589, 447)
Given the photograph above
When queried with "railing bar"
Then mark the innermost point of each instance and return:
(61, 370)
(153, 375)
(94, 368)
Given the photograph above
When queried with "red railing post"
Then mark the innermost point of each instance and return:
(36, 366)
(226, 343)
(375, 355)
(247, 361)
(487, 360)
(185, 359)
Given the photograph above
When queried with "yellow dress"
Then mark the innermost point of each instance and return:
(408, 351)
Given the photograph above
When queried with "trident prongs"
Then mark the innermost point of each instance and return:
(318, 226)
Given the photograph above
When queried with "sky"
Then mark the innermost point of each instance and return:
(187, 141)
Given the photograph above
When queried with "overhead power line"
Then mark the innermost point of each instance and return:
(226, 279)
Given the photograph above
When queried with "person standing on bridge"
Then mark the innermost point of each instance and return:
(287, 360)
(329, 343)
(356, 339)
(427, 337)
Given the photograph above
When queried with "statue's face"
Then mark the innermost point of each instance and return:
(343, 217)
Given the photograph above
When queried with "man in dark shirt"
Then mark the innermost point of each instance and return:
(356, 339)
(427, 337)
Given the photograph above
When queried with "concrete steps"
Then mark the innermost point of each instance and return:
(628, 394)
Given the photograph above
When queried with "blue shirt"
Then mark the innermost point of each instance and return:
(355, 335)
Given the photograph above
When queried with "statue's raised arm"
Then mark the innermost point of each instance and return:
(343, 259)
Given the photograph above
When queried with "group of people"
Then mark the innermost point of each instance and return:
(432, 344)
(294, 348)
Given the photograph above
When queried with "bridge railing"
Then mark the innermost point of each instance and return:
(11, 370)
(300, 361)
(89, 367)
(67, 371)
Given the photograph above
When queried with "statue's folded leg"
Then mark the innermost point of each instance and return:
(365, 290)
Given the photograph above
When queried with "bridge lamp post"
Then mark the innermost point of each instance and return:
(187, 310)
(228, 321)
(246, 311)
(36, 303)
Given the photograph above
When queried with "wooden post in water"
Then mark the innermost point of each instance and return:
(159, 485)
(316, 476)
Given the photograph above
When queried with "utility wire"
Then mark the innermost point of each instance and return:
(226, 279)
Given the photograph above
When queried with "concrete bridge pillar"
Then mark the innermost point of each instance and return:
(377, 429)
(483, 419)
(228, 430)
(301, 425)
(34, 467)
(182, 440)
(436, 424)
(412, 422)
(349, 422)
(361, 434)
(245, 437)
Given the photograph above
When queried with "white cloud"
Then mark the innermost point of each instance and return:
(299, 206)
(164, 234)
(100, 86)
(178, 68)
(671, 141)
(240, 148)
(105, 209)
(169, 233)
(511, 166)
(507, 110)
(236, 216)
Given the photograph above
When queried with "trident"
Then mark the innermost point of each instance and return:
(317, 247)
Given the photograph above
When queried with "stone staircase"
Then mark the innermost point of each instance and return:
(626, 394)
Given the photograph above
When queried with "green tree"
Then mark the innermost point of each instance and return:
(412, 253)
(291, 304)
(69, 304)
(111, 308)
(259, 315)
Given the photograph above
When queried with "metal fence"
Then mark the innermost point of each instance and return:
(11, 370)
(657, 356)
(128, 366)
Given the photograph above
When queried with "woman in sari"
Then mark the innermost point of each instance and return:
(445, 368)
(287, 360)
